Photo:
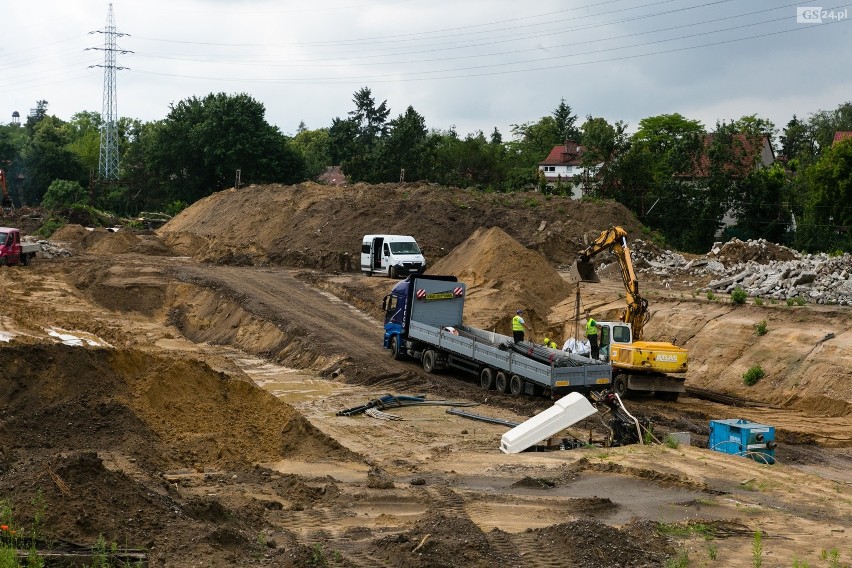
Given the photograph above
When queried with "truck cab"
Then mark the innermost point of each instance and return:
(12, 250)
(396, 256)
(642, 365)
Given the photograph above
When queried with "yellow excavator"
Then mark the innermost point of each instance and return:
(637, 365)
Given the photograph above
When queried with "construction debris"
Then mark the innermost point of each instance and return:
(762, 269)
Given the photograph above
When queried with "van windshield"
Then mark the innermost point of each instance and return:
(405, 248)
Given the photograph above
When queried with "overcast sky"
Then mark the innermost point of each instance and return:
(469, 64)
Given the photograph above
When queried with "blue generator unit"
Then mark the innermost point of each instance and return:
(743, 438)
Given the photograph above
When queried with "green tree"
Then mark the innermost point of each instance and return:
(47, 157)
(829, 205)
(63, 194)
(566, 128)
(85, 139)
(203, 142)
(797, 142)
(403, 147)
(355, 140)
(313, 146)
(761, 212)
(604, 146)
(664, 134)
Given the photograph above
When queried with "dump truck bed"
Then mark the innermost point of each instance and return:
(537, 364)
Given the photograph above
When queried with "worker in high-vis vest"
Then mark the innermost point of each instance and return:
(592, 334)
(518, 326)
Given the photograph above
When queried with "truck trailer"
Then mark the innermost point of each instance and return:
(423, 320)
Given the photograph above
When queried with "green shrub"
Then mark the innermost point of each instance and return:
(758, 301)
(796, 301)
(753, 375)
(62, 193)
(738, 296)
(710, 295)
(761, 328)
(672, 442)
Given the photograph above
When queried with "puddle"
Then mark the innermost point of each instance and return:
(76, 338)
(634, 498)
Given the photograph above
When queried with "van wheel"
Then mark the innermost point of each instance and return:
(516, 385)
(502, 382)
(25, 259)
(395, 349)
(486, 378)
(429, 357)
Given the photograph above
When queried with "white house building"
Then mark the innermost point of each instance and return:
(564, 165)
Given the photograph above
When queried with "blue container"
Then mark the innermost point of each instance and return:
(743, 438)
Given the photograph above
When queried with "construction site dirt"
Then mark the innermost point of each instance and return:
(177, 393)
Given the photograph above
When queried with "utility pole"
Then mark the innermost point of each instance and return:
(108, 158)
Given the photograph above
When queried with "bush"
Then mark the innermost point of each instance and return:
(738, 296)
(761, 328)
(758, 301)
(753, 375)
(710, 295)
(797, 301)
(63, 193)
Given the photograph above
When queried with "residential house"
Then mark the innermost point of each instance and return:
(841, 135)
(564, 165)
(747, 153)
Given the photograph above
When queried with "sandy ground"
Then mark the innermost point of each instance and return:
(181, 401)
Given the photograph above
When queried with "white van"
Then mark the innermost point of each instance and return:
(394, 255)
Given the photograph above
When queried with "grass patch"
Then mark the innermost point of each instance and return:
(796, 301)
(761, 328)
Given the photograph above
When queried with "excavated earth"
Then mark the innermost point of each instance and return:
(176, 392)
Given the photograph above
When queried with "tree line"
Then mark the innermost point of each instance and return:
(679, 177)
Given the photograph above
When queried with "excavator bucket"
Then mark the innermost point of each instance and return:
(583, 271)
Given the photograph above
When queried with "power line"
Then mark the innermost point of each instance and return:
(396, 77)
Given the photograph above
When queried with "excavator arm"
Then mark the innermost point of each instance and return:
(615, 240)
(7, 199)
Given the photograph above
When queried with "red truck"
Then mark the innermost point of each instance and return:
(12, 250)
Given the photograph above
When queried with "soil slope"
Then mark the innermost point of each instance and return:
(310, 225)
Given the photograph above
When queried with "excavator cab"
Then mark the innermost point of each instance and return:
(583, 271)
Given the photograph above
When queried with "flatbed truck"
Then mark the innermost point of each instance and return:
(423, 320)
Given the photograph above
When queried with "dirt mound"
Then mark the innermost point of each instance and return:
(590, 543)
(503, 276)
(103, 242)
(761, 251)
(70, 234)
(159, 409)
(310, 225)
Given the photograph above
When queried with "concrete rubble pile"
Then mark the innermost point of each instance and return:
(52, 250)
(762, 269)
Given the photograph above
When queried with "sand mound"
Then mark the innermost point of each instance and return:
(70, 234)
(101, 241)
(502, 276)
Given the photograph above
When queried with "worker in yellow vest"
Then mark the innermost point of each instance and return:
(592, 334)
(518, 326)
